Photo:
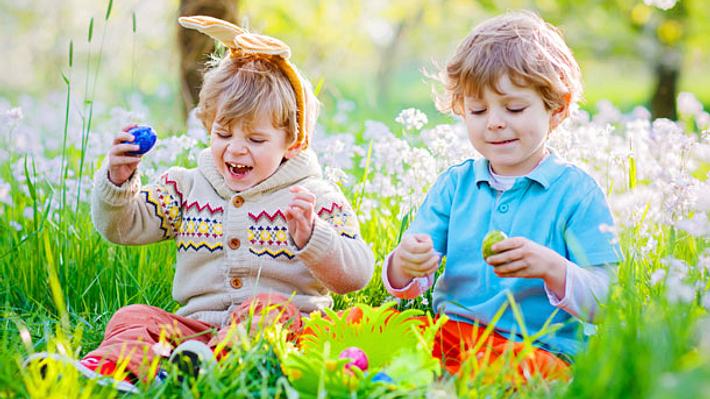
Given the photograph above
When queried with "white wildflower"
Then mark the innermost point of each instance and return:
(5, 193)
(661, 4)
(697, 225)
(375, 131)
(412, 119)
(336, 175)
(657, 276)
(688, 104)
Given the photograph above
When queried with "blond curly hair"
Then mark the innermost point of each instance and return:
(520, 44)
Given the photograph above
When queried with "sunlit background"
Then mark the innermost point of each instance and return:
(369, 54)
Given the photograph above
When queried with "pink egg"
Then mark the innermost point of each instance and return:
(357, 356)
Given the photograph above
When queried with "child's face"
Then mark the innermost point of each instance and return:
(247, 155)
(509, 129)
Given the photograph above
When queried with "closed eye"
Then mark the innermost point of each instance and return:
(478, 111)
(256, 140)
(516, 110)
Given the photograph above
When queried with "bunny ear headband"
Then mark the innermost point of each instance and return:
(242, 43)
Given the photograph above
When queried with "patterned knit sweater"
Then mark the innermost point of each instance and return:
(234, 245)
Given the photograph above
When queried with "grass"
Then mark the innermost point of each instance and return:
(60, 282)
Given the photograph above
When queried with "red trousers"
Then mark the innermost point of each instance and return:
(133, 334)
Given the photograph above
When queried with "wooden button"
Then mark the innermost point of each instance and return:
(234, 243)
(238, 201)
(236, 283)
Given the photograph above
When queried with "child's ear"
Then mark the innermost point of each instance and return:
(559, 114)
(292, 151)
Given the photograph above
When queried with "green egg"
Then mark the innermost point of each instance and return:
(491, 238)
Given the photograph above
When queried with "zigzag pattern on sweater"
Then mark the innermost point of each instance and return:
(264, 214)
(184, 245)
(165, 206)
(340, 218)
(272, 253)
(186, 207)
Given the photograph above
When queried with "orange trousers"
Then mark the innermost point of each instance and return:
(456, 341)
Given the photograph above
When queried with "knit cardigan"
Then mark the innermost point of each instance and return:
(234, 245)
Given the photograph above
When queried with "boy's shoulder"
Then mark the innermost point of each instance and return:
(574, 176)
(569, 181)
(463, 168)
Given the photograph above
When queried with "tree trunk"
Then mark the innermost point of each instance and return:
(663, 102)
(195, 47)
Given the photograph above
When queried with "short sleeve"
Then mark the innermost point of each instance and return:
(589, 233)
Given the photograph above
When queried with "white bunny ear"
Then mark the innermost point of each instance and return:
(216, 28)
(253, 43)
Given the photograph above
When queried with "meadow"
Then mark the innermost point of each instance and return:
(60, 282)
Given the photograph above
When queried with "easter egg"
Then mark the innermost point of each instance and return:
(145, 137)
(493, 236)
(383, 378)
(357, 357)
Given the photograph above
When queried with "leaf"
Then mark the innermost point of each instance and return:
(108, 9)
(91, 29)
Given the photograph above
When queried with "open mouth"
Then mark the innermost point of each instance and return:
(237, 169)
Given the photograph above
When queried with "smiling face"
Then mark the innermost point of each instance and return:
(509, 128)
(246, 154)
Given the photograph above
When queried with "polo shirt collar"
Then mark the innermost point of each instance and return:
(544, 174)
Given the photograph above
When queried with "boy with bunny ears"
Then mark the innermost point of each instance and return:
(255, 225)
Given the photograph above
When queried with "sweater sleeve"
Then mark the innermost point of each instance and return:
(133, 214)
(336, 255)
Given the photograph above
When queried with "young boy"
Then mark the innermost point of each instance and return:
(511, 81)
(254, 224)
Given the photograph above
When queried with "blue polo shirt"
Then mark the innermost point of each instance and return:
(557, 205)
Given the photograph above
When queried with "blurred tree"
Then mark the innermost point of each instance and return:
(195, 46)
(658, 31)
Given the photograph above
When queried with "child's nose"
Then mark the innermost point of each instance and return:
(495, 122)
(238, 146)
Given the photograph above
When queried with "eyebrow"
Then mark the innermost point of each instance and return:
(515, 97)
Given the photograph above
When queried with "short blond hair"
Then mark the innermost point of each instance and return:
(240, 88)
(520, 44)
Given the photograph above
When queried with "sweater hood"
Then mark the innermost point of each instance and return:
(302, 166)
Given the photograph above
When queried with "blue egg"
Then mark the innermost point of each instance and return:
(145, 137)
(382, 377)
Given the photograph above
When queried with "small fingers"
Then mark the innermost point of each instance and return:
(417, 258)
(508, 244)
(418, 243)
(123, 137)
(511, 269)
(502, 258)
(128, 127)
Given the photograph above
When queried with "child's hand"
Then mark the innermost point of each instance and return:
(120, 164)
(414, 257)
(520, 257)
(300, 215)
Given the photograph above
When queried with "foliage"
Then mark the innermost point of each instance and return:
(60, 281)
